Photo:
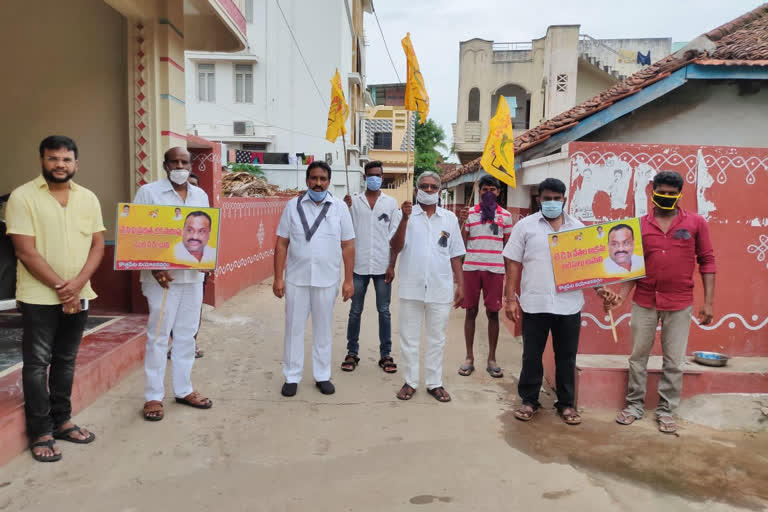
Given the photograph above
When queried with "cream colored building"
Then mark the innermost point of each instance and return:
(109, 74)
(542, 78)
(390, 132)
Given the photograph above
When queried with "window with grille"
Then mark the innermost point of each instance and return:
(561, 85)
(206, 83)
(243, 83)
(382, 140)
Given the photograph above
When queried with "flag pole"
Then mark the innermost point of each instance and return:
(407, 143)
(346, 158)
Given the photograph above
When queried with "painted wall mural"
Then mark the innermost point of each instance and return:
(723, 184)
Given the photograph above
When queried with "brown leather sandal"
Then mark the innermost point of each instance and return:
(153, 410)
(195, 399)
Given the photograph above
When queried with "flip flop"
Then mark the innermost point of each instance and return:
(667, 424)
(63, 435)
(496, 372)
(574, 418)
(465, 370)
(625, 417)
(50, 443)
(524, 415)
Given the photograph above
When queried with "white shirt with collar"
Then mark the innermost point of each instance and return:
(182, 254)
(529, 244)
(425, 265)
(611, 267)
(316, 262)
(372, 233)
(162, 193)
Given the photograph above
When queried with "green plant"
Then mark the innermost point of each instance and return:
(249, 168)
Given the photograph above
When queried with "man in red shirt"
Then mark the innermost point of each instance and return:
(674, 240)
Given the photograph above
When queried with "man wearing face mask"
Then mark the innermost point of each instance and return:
(485, 232)
(429, 239)
(372, 214)
(541, 309)
(314, 235)
(183, 301)
(674, 240)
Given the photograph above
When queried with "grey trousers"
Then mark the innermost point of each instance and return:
(675, 326)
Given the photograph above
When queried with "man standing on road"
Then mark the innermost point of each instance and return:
(486, 231)
(429, 239)
(372, 214)
(175, 297)
(674, 240)
(541, 309)
(58, 234)
(315, 233)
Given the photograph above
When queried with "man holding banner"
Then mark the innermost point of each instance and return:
(674, 240)
(175, 297)
(542, 309)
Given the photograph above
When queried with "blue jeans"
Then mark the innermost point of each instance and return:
(383, 295)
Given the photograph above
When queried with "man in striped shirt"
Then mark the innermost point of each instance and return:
(485, 233)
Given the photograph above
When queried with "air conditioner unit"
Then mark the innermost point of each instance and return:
(243, 128)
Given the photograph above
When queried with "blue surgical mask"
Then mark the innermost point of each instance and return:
(551, 209)
(316, 196)
(373, 183)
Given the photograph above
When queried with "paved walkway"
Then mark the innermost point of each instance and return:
(360, 449)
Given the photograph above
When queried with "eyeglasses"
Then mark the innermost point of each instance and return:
(429, 186)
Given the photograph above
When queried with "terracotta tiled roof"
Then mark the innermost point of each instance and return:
(743, 41)
(446, 168)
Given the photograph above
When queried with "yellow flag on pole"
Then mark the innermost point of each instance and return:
(499, 153)
(416, 97)
(338, 112)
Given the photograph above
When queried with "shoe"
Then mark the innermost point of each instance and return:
(326, 387)
(289, 389)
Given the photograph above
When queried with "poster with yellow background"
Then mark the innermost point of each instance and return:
(597, 255)
(151, 237)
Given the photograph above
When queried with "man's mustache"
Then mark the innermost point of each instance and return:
(621, 252)
(317, 188)
(194, 240)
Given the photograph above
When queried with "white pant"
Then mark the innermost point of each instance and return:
(182, 316)
(412, 313)
(300, 301)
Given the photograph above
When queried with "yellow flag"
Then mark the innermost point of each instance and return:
(338, 112)
(416, 97)
(499, 154)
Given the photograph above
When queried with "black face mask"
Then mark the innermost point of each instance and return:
(665, 202)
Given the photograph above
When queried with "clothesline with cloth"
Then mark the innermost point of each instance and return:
(241, 156)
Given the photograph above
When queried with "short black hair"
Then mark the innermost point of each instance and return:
(198, 213)
(371, 165)
(321, 164)
(553, 185)
(668, 178)
(490, 181)
(58, 142)
(622, 226)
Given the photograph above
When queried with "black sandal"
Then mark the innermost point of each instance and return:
(388, 364)
(63, 435)
(350, 362)
(50, 443)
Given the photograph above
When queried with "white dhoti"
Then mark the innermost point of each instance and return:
(300, 301)
(435, 317)
(182, 316)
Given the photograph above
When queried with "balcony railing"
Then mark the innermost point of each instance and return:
(514, 46)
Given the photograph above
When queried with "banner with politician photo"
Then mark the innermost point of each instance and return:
(597, 255)
(151, 237)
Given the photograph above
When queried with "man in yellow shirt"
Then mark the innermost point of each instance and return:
(58, 235)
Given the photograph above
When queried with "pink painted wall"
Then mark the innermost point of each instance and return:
(728, 186)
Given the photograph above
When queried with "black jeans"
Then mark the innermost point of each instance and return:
(50, 338)
(565, 342)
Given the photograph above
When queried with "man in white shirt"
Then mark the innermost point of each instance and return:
(541, 309)
(174, 297)
(429, 239)
(193, 247)
(315, 233)
(621, 251)
(372, 214)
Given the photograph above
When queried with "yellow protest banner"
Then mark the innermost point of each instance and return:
(150, 237)
(416, 97)
(499, 153)
(597, 255)
(338, 112)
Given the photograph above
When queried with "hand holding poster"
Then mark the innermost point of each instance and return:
(151, 237)
(597, 255)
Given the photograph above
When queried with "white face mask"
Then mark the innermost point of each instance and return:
(179, 176)
(425, 198)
